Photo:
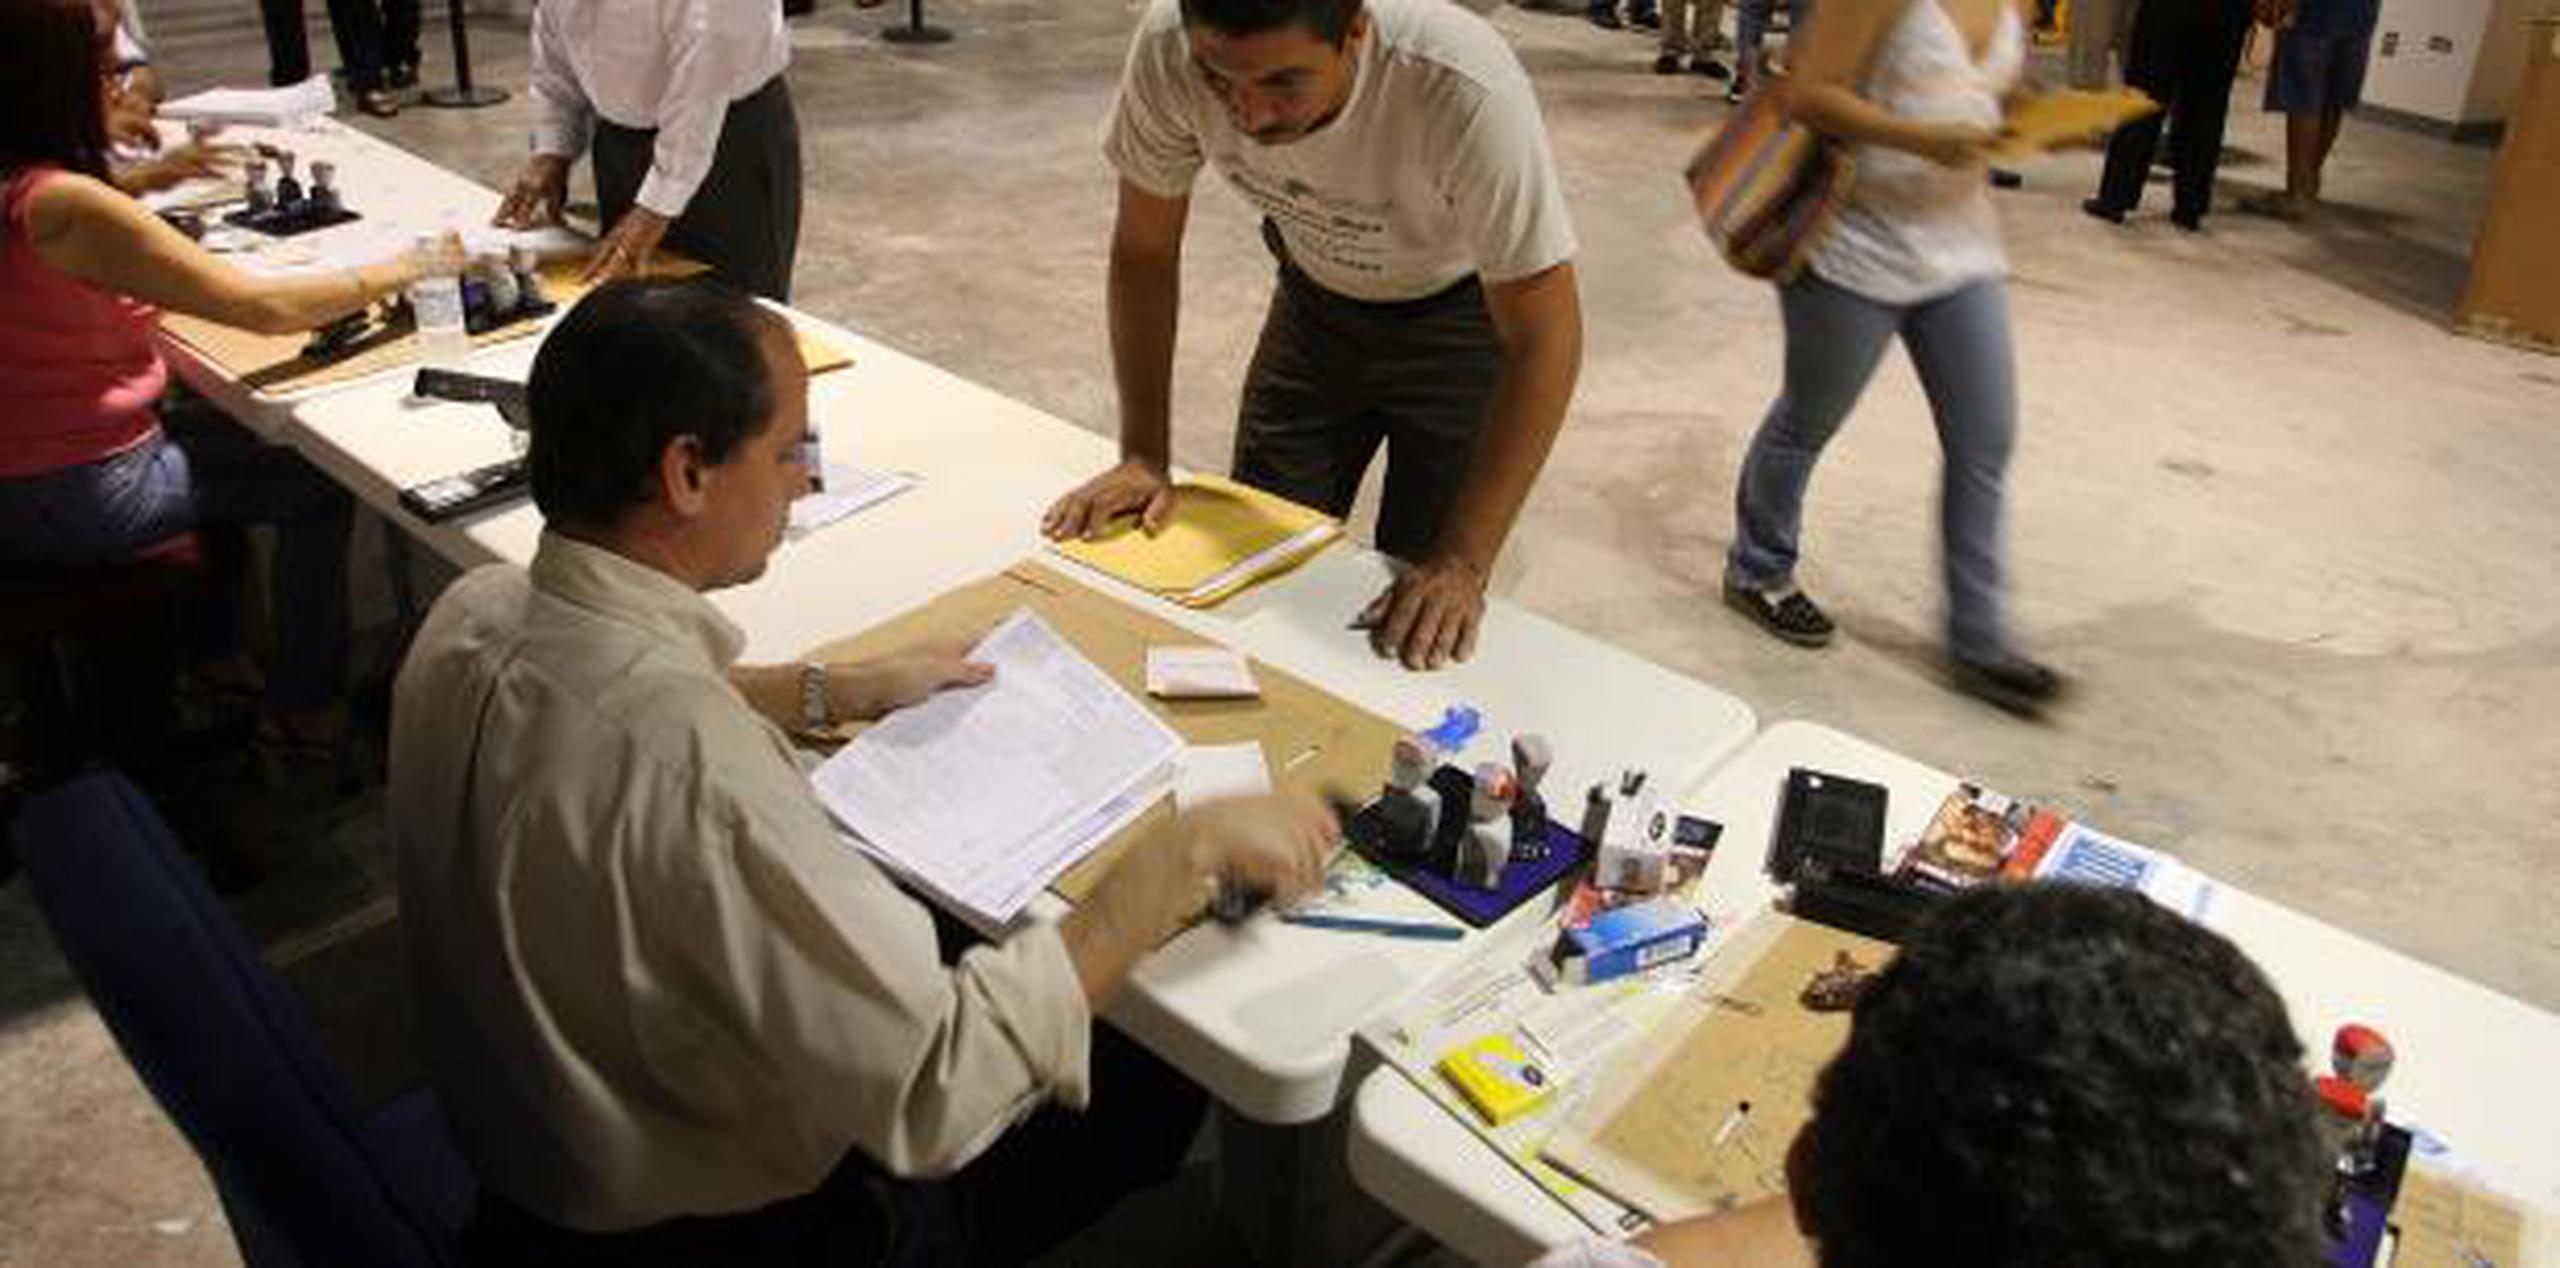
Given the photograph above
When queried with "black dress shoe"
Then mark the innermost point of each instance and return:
(2010, 682)
(1607, 21)
(2188, 221)
(2099, 208)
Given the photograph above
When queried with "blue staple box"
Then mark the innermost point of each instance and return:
(1631, 939)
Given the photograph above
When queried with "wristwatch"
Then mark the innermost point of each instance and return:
(816, 714)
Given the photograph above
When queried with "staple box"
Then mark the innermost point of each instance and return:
(1496, 1077)
(1631, 939)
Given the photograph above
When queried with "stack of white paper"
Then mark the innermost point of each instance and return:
(272, 107)
(848, 489)
(985, 796)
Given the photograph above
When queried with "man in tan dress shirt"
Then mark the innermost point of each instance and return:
(671, 1015)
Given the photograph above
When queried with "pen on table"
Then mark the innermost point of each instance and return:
(1733, 1122)
(1432, 930)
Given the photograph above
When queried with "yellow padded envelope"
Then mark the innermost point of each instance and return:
(1220, 538)
(2067, 116)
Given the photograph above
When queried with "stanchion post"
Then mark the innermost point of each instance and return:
(915, 31)
(464, 95)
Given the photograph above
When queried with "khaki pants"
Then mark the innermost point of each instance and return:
(2098, 28)
(1677, 15)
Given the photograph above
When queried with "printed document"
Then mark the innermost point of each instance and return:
(986, 795)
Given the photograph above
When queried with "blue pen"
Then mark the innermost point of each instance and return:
(1374, 924)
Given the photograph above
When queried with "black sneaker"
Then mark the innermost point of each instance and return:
(1793, 619)
(1733, 93)
(1667, 64)
(1709, 67)
(2012, 683)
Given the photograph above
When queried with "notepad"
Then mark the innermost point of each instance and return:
(1199, 673)
(1220, 538)
(2065, 117)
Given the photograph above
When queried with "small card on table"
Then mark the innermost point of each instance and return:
(1199, 673)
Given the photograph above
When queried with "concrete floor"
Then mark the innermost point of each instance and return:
(2295, 540)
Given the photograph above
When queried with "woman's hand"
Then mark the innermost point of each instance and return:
(195, 160)
(1954, 145)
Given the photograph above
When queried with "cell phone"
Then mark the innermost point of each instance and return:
(506, 395)
(444, 498)
(1831, 818)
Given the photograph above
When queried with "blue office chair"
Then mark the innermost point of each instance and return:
(307, 1181)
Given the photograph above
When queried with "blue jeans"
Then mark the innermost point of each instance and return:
(1959, 344)
(203, 471)
(1751, 29)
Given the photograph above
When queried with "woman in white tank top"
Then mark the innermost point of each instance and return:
(1916, 89)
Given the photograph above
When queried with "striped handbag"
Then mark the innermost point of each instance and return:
(1767, 188)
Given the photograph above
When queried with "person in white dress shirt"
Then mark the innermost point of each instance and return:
(2045, 1076)
(685, 110)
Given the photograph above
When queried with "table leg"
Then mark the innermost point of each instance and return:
(1287, 1194)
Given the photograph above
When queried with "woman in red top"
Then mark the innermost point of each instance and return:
(88, 474)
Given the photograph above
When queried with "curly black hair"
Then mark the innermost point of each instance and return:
(2056, 1076)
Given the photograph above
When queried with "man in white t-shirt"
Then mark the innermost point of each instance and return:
(1426, 296)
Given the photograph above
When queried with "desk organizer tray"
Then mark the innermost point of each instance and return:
(1429, 875)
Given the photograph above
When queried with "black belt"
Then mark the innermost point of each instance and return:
(1467, 290)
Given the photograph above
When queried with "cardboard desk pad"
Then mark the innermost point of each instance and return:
(273, 365)
(1698, 1117)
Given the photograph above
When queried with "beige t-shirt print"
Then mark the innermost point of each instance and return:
(1437, 167)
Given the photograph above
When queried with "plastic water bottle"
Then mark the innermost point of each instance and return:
(435, 299)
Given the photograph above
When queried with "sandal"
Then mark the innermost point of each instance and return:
(1793, 618)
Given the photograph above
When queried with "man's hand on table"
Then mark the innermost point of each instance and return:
(1275, 846)
(628, 247)
(1272, 845)
(878, 687)
(1427, 616)
(540, 192)
(1134, 485)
